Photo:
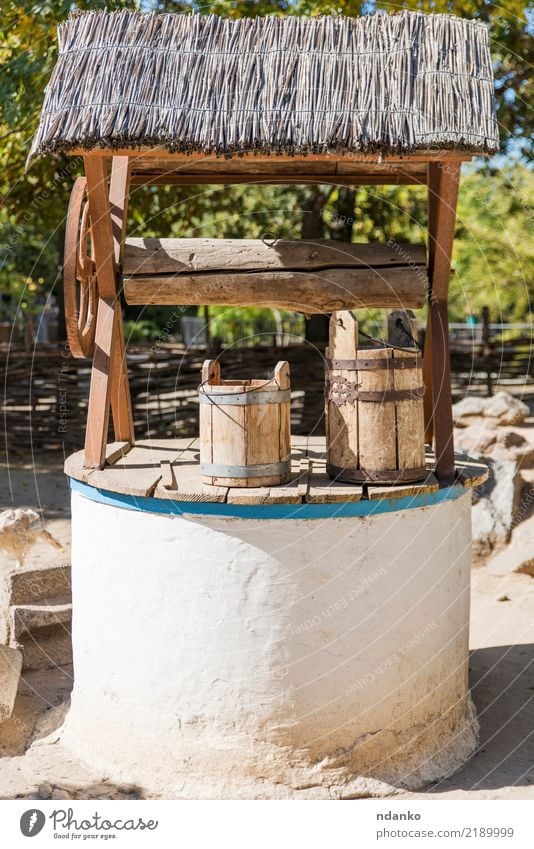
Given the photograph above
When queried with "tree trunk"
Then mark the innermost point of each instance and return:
(344, 221)
(313, 227)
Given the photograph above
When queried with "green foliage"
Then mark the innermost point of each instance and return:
(254, 325)
(494, 252)
(492, 255)
(141, 331)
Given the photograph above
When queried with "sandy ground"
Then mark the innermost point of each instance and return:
(34, 764)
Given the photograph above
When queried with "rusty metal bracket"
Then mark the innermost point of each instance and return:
(342, 391)
(363, 364)
(393, 476)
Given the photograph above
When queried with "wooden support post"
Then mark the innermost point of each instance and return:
(432, 204)
(100, 390)
(444, 179)
(487, 347)
(121, 403)
(108, 377)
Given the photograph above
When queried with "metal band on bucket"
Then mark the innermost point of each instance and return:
(376, 476)
(342, 391)
(367, 364)
(278, 396)
(258, 470)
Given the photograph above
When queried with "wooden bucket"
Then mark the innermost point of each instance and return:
(374, 406)
(245, 434)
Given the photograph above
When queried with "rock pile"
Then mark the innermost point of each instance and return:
(485, 430)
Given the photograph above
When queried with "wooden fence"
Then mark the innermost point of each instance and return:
(489, 354)
(44, 393)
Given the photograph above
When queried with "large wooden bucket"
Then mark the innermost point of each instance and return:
(374, 409)
(245, 434)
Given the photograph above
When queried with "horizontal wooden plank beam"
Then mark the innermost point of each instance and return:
(273, 165)
(163, 153)
(189, 256)
(186, 178)
(301, 291)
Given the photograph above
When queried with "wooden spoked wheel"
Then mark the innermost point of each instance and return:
(79, 274)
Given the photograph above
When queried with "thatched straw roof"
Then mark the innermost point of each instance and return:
(394, 83)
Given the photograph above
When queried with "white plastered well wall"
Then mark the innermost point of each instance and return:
(289, 658)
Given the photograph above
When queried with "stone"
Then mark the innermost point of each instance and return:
(509, 448)
(44, 791)
(35, 583)
(31, 584)
(494, 513)
(47, 648)
(59, 793)
(36, 612)
(499, 443)
(475, 439)
(10, 669)
(47, 727)
(43, 614)
(20, 529)
(511, 439)
(517, 557)
(507, 409)
(470, 406)
(501, 409)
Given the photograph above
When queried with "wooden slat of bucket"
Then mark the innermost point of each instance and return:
(409, 417)
(376, 419)
(342, 421)
(228, 430)
(211, 371)
(284, 382)
(267, 431)
(402, 331)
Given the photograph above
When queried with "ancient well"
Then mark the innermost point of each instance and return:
(305, 636)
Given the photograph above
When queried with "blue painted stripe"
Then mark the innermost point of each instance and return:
(340, 510)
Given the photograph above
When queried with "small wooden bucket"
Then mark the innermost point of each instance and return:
(374, 407)
(245, 434)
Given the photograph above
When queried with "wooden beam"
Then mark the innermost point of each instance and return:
(121, 403)
(190, 256)
(100, 389)
(118, 201)
(432, 206)
(97, 193)
(160, 151)
(302, 291)
(446, 179)
(186, 178)
(109, 383)
(120, 398)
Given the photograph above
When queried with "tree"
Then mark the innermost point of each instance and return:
(493, 256)
(35, 203)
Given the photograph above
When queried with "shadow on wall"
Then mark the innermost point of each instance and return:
(502, 686)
